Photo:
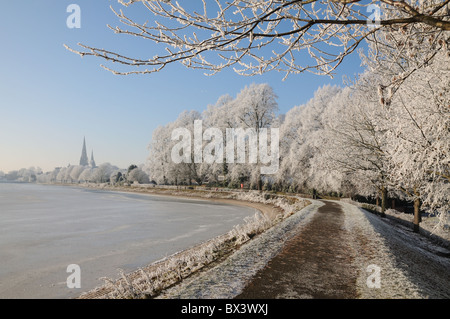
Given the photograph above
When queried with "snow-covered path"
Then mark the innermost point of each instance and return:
(411, 266)
(327, 250)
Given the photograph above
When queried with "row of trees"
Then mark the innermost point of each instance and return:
(253, 108)
(22, 175)
(104, 173)
(386, 133)
(393, 126)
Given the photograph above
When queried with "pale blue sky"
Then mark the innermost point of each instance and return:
(51, 98)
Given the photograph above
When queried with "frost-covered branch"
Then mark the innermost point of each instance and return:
(255, 37)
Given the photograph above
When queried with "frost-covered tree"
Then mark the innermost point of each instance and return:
(86, 175)
(76, 172)
(68, 173)
(187, 171)
(255, 108)
(419, 137)
(161, 165)
(102, 173)
(356, 141)
(396, 52)
(61, 176)
(301, 134)
(137, 175)
(254, 37)
(44, 178)
(395, 138)
(220, 116)
(410, 63)
(117, 177)
(27, 175)
(158, 158)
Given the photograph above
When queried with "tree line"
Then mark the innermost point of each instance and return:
(74, 174)
(384, 134)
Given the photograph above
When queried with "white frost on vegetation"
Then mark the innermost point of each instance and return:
(409, 263)
(150, 281)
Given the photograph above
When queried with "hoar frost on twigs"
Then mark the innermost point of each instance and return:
(255, 37)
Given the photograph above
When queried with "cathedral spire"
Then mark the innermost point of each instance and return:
(84, 158)
(92, 160)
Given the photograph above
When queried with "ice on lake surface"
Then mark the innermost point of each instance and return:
(45, 228)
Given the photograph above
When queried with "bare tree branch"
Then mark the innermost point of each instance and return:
(261, 36)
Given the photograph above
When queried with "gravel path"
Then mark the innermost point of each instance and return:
(328, 250)
(315, 263)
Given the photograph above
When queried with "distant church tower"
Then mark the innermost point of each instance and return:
(84, 159)
(92, 162)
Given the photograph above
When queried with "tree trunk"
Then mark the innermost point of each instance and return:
(259, 183)
(383, 201)
(417, 218)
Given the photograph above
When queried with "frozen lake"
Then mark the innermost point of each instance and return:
(45, 228)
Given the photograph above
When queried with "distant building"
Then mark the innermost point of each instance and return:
(92, 162)
(84, 161)
(84, 158)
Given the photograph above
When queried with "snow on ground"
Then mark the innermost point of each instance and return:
(410, 265)
(430, 225)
